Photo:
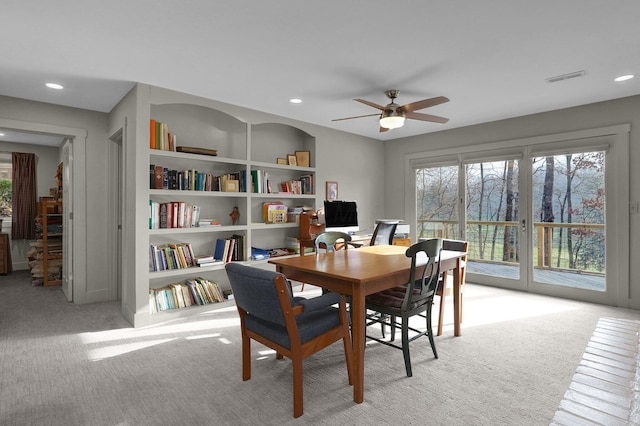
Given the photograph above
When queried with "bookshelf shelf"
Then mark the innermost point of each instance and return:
(191, 271)
(197, 230)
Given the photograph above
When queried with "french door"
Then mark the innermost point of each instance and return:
(535, 216)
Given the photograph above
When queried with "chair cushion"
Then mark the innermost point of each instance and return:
(393, 298)
(310, 325)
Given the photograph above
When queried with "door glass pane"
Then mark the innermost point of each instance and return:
(569, 220)
(492, 218)
(437, 202)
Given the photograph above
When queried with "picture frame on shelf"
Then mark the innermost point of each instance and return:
(302, 158)
(291, 158)
(281, 161)
(332, 190)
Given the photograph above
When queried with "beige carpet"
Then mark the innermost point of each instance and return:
(62, 364)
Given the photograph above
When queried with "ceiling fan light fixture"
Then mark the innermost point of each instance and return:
(392, 120)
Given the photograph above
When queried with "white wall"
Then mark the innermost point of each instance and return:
(603, 114)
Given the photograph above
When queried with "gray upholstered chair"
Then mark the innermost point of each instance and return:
(395, 306)
(294, 327)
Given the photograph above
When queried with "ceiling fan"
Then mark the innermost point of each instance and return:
(394, 115)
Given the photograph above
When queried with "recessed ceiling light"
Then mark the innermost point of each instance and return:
(624, 77)
(295, 100)
(55, 86)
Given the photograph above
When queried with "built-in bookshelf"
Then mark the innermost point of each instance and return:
(51, 232)
(215, 195)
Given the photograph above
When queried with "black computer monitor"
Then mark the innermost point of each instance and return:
(341, 216)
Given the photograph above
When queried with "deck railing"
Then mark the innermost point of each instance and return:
(550, 243)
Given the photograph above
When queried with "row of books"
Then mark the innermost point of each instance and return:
(174, 214)
(161, 177)
(261, 184)
(160, 137)
(170, 256)
(196, 291)
(230, 249)
(302, 186)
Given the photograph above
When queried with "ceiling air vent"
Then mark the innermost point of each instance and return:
(569, 76)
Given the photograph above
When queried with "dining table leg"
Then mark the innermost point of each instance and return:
(457, 298)
(358, 321)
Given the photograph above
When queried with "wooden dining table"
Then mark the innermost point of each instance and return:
(360, 272)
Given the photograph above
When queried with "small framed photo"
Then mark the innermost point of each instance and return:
(302, 158)
(332, 190)
(291, 158)
(282, 161)
(231, 186)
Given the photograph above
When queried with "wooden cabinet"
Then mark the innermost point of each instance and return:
(50, 214)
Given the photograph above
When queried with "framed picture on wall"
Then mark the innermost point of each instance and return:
(332, 190)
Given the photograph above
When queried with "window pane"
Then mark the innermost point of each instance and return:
(569, 220)
(492, 218)
(436, 202)
(5, 189)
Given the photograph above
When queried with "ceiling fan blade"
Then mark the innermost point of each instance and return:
(426, 117)
(371, 104)
(425, 103)
(359, 116)
(383, 129)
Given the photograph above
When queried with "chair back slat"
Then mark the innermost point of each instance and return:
(455, 245)
(425, 279)
(327, 240)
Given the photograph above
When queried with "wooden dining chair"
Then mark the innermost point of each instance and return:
(295, 328)
(330, 241)
(395, 306)
(443, 289)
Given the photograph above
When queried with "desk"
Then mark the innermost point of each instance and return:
(358, 273)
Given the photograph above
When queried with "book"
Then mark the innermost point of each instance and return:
(204, 258)
(159, 171)
(152, 134)
(218, 253)
(193, 150)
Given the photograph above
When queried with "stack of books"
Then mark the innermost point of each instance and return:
(206, 260)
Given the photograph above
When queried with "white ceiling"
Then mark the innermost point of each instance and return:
(490, 58)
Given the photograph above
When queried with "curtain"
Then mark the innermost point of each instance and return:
(23, 196)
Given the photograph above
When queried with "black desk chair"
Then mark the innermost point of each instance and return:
(293, 327)
(384, 232)
(414, 298)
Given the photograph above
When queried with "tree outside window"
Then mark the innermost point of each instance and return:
(5, 189)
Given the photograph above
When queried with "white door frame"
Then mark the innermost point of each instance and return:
(78, 209)
(67, 236)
